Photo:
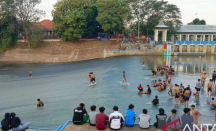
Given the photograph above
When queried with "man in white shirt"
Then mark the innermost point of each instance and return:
(116, 119)
(144, 119)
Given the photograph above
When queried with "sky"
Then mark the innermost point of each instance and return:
(205, 9)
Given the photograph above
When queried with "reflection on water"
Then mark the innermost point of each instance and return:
(63, 86)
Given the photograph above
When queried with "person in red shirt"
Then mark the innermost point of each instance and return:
(101, 119)
(140, 88)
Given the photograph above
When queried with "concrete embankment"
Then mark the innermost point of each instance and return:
(58, 52)
(154, 51)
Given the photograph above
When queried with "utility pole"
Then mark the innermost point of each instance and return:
(139, 24)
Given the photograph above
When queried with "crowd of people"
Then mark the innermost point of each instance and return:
(116, 120)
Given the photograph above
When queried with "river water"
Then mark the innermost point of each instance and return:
(63, 86)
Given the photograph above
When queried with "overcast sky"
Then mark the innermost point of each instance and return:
(205, 9)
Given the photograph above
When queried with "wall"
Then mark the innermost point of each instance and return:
(155, 51)
(142, 46)
(195, 48)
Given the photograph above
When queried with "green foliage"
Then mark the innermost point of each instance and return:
(92, 26)
(197, 21)
(112, 14)
(150, 13)
(36, 35)
(69, 18)
(25, 12)
(8, 32)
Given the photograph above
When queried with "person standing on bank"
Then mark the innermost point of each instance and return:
(17, 124)
(80, 115)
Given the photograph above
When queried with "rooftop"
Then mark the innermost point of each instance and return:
(47, 24)
(161, 25)
(197, 29)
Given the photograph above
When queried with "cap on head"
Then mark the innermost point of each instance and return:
(38, 99)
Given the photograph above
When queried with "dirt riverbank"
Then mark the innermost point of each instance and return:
(57, 52)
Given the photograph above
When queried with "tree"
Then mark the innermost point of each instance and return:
(92, 26)
(112, 15)
(69, 18)
(8, 32)
(150, 12)
(25, 12)
(197, 21)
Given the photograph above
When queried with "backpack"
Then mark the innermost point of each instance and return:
(5, 124)
(178, 124)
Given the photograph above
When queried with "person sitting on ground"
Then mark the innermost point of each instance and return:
(173, 118)
(16, 123)
(116, 119)
(148, 91)
(187, 119)
(130, 116)
(5, 123)
(161, 119)
(80, 115)
(92, 116)
(40, 103)
(144, 119)
(140, 88)
(101, 119)
(155, 101)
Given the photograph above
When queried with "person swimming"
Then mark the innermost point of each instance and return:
(40, 103)
(140, 88)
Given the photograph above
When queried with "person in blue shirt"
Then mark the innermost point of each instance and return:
(187, 120)
(130, 116)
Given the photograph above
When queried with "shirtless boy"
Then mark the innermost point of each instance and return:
(40, 103)
(92, 78)
(177, 93)
(155, 84)
(210, 84)
(143, 61)
(124, 79)
(160, 87)
(203, 79)
(170, 92)
(186, 97)
(30, 74)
